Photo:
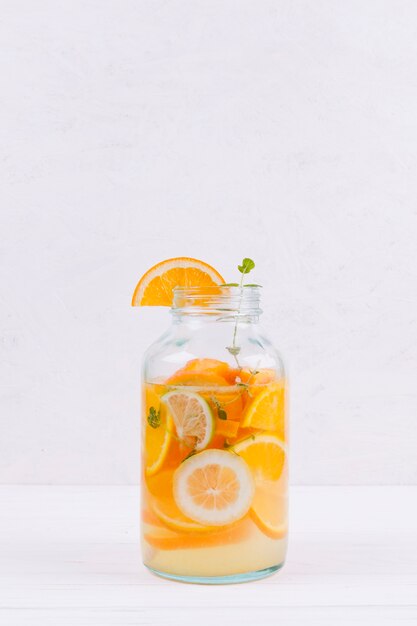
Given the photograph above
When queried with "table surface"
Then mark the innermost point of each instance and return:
(70, 556)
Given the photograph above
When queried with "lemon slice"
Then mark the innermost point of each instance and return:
(265, 455)
(192, 416)
(213, 487)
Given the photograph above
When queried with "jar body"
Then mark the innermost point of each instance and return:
(214, 403)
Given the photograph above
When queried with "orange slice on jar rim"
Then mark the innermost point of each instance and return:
(156, 286)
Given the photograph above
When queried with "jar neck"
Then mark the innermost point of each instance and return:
(216, 303)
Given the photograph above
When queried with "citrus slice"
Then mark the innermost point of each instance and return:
(157, 440)
(214, 487)
(194, 422)
(269, 509)
(227, 428)
(251, 377)
(231, 402)
(150, 518)
(196, 379)
(164, 508)
(165, 539)
(155, 288)
(168, 513)
(207, 365)
(265, 455)
(266, 411)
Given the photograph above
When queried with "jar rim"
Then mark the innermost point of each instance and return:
(227, 288)
(230, 299)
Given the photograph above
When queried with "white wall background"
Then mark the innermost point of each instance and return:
(132, 131)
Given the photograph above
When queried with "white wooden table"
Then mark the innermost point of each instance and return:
(70, 556)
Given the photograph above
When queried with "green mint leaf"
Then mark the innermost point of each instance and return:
(252, 285)
(222, 414)
(246, 267)
(154, 417)
(229, 285)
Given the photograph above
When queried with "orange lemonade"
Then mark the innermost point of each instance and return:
(214, 482)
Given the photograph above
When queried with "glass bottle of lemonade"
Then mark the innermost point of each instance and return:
(214, 479)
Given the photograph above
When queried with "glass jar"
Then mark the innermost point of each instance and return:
(215, 469)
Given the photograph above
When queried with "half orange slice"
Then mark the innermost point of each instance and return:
(157, 441)
(267, 410)
(265, 455)
(156, 286)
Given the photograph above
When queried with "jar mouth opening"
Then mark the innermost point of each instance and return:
(217, 298)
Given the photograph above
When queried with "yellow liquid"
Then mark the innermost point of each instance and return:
(175, 544)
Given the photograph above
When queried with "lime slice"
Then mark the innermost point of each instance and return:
(214, 487)
(193, 418)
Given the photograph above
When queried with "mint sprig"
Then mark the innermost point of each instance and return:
(154, 417)
(154, 420)
(221, 413)
(246, 267)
